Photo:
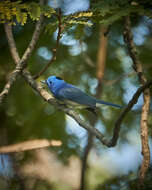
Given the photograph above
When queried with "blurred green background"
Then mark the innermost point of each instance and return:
(24, 115)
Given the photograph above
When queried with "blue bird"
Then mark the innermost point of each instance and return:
(73, 96)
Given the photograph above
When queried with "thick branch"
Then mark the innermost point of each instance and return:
(29, 145)
(146, 93)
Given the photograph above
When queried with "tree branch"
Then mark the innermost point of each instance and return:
(146, 95)
(48, 97)
(55, 49)
(11, 43)
(20, 63)
(10, 82)
(16, 58)
(34, 39)
(131, 103)
(29, 145)
(128, 38)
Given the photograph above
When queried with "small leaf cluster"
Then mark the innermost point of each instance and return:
(109, 11)
(80, 18)
(17, 11)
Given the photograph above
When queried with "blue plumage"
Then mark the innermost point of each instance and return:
(73, 96)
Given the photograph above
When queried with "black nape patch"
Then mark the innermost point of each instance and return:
(59, 78)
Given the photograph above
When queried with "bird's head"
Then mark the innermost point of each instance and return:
(54, 83)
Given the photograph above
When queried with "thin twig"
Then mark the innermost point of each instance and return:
(54, 49)
(146, 96)
(29, 145)
(131, 103)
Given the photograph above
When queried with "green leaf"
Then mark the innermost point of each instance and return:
(47, 11)
(21, 17)
(79, 22)
(34, 11)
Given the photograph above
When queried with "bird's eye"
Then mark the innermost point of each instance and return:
(50, 82)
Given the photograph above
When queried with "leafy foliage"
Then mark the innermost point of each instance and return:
(107, 12)
(9, 11)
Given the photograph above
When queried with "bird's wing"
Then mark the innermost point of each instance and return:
(76, 95)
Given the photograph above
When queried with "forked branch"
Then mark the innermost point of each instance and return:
(20, 63)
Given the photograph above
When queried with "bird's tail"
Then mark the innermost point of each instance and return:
(107, 103)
